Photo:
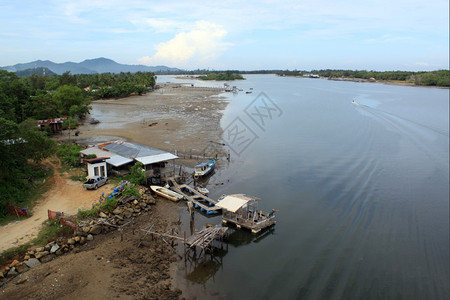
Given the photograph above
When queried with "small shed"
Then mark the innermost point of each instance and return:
(54, 124)
(242, 210)
(97, 166)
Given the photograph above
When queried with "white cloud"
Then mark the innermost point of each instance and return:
(196, 47)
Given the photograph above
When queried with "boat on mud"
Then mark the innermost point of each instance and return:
(205, 168)
(166, 193)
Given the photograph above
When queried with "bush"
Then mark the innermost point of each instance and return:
(69, 154)
(137, 174)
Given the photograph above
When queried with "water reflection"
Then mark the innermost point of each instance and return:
(200, 268)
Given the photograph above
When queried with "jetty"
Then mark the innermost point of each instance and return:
(206, 204)
(206, 236)
(202, 239)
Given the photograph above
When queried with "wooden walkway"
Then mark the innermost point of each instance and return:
(203, 202)
(204, 237)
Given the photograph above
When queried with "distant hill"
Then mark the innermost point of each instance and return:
(37, 71)
(89, 66)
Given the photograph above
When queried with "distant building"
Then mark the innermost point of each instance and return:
(54, 124)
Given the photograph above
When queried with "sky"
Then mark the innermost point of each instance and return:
(377, 35)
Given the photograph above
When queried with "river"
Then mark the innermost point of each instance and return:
(360, 175)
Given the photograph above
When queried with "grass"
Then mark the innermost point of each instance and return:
(108, 205)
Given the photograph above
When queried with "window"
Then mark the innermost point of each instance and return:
(95, 171)
(102, 171)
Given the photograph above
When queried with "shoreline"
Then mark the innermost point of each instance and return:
(386, 82)
(179, 120)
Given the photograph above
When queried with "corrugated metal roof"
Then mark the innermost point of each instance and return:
(132, 150)
(146, 160)
(121, 153)
(118, 161)
(234, 202)
(96, 151)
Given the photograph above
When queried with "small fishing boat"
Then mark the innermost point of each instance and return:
(204, 168)
(202, 190)
(166, 193)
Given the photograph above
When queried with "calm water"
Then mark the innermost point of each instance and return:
(362, 189)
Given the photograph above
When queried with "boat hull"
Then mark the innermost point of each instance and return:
(166, 193)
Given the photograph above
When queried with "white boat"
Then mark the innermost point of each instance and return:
(166, 193)
(203, 191)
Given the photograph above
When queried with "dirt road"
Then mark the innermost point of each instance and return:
(64, 195)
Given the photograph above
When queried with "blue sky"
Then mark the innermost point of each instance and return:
(245, 35)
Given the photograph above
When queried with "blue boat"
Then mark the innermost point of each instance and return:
(204, 168)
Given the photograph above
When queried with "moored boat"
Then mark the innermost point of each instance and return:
(166, 193)
(204, 168)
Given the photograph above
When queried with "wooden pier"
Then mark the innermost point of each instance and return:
(202, 239)
(206, 204)
(205, 237)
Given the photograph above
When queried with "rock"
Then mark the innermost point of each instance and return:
(102, 215)
(54, 248)
(135, 202)
(12, 273)
(85, 229)
(38, 250)
(82, 240)
(21, 280)
(39, 255)
(137, 210)
(47, 247)
(14, 263)
(71, 241)
(118, 211)
(142, 204)
(32, 262)
(47, 258)
(90, 237)
(96, 229)
(120, 217)
(59, 252)
(26, 257)
(77, 239)
(21, 268)
(152, 201)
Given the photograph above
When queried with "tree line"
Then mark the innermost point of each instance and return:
(432, 78)
(221, 76)
(24, 100)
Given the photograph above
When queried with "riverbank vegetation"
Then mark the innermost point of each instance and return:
(225, 76)
(24, 100)
(439, 78)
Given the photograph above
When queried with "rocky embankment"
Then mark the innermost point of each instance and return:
(127, 209)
